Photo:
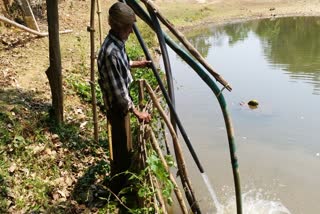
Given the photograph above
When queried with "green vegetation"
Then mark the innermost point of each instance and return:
(192, 13)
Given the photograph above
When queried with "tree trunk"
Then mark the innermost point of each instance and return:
(28, 15)
(54, 73)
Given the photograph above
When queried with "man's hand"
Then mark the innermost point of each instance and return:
(140, 64)
(142, 116)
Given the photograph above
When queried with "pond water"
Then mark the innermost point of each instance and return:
(276, 62)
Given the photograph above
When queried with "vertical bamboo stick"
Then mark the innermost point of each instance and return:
(141, 94)
(177, 192)
(159, 195)
(99, 20)
(92, 75)
(165, 137)
(149, 172)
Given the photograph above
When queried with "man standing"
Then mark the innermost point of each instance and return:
(115, 78)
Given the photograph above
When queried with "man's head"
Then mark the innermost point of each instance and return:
(121, 19)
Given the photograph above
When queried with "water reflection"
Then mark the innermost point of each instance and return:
(201, 41)
(292, 44)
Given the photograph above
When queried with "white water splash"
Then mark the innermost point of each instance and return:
(254, 202)
(212, 193)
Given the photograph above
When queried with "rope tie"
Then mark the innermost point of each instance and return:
(90, 29)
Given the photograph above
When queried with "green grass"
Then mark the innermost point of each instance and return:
(192, 13)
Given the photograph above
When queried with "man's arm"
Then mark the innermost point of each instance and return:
(142, 116)
(140, 64)
(121, 92)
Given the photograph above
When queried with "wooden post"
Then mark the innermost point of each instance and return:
(54, 73)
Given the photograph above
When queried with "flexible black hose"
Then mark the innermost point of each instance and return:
(171, 106)
(166, 62)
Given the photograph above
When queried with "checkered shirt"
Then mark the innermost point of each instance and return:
(114, 74)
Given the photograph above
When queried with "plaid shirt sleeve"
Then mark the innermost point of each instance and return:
(118, 86)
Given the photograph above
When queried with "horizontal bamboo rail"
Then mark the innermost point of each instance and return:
(22, 27)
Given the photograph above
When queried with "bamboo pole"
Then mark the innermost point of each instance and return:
(109, 128)
(99, 20)
(179, 156)
(149, 173)
(165, 138)
(186, 43)
(160, 196)
(92, 75)
(177, 192)
(141, 94)
(22, 27)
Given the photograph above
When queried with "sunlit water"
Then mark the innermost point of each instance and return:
(276, 62)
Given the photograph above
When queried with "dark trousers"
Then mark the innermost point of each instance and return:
(121, 147)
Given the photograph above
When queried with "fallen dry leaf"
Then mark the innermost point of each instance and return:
(12, 167)
(55, 196)
(62, 193)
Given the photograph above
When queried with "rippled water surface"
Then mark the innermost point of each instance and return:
(276, 62)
